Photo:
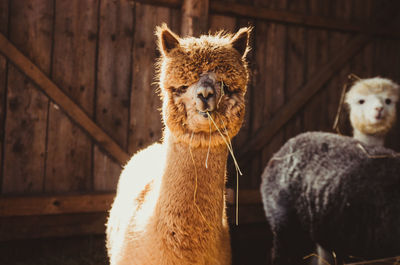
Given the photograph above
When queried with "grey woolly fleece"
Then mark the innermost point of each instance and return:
(323, 188)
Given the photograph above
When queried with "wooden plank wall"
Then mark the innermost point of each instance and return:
(3, 81)
(87, 48)
(100, 53)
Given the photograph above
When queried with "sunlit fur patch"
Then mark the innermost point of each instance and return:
(183, 67)
(378, 129)
(368, 95)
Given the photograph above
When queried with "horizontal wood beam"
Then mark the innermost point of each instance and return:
(86, 203)
(248, 196)
(65, 225)
(84, 214)
(57, 204)
(60, 98)
(287, 17)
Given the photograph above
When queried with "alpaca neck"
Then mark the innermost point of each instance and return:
(186, 174)
(369, 139)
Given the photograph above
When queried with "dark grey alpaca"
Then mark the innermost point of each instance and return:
(325, 189)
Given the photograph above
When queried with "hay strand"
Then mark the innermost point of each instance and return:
(318, 257)
(195, 185)
(352, 78)
(238, 171)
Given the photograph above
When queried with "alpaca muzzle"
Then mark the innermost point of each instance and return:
(206, 94)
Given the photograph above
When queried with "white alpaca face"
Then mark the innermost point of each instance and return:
(373, 108)
(372, 105)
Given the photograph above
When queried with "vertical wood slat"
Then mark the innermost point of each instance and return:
(221, 22)
(386, 57)
(145, 119)
(342, 10)
(245, 181)
(113, 85)
(275, 82)
(317, 55)
(25, 126)
(4, 14)
(295, 66)
(69, 159)
(257, 98)
(194, 17)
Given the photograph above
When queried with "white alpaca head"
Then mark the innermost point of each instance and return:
(372, 104)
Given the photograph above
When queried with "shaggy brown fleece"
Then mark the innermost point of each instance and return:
(170, 206)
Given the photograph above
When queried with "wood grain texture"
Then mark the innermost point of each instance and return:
(257, 98)
(113, 85)
(12, 228)
(194, 17)
(61, 99)
(25, 125)
(295, 66)
(388, 51)
(56, 204)
(222, 23)
(4, 13)
(317, 56)
(282, 16)
(69, 159)
(145, 118)
(338, 40)
(275, 82)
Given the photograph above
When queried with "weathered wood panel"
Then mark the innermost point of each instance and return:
(317, 55)
(69, 155)
(113, 85)
(257, 96)
(295, 66)
(25, 126)
(194, 17)
(145, 118)
(220, 22)
(275, 81)
(337, 40)
(72, 109)
(387, 61)
(67, 225)
(50, 205)
(246, 180)
(4, 13)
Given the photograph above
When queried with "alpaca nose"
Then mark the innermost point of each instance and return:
(379, 109)
(206, 93)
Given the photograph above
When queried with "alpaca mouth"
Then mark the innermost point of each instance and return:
(379, 116)
(205, 113)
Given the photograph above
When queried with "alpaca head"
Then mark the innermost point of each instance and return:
(203, 77)
(372, 104)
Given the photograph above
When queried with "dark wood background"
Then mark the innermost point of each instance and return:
(77, 94)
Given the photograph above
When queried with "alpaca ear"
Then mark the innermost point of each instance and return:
(240, 41)
(167, 40)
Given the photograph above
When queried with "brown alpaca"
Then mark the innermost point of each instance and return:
(170, 206)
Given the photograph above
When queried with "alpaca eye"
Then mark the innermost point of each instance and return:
(361, 101)
(181, 89)
(178, 90)
(388, 101)
(225, 88)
